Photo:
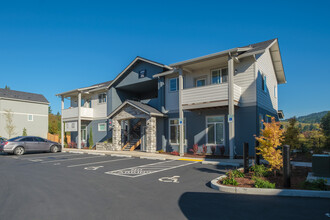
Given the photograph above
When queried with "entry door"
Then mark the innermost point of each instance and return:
(143, 138)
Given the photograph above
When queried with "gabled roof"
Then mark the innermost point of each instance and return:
(137, 59)
(248, 50)
(24, 96)
(95, 87)
(141, 106)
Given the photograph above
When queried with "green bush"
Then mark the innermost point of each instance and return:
(235, 174)
(230, 181)
(259, 170)
(319, 184)
(259, 183)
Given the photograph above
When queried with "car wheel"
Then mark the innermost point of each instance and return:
(54, 149)
(19, 151)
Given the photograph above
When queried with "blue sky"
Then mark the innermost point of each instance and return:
(53, 46)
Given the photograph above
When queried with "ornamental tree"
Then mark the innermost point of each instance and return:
(270, 139)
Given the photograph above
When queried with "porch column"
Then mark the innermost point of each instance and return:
(181, 131)
(79, 121)
(231, 107)
(151, 134)
(116, 135)
(62, 123)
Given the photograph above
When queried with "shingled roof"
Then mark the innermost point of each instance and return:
(26, 96)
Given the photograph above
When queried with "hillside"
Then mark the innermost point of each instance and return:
(311, 118)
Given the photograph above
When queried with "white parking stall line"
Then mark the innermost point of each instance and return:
(98, 162)
(36, 155)
(55, 156)
(147, 169)
(80, 158)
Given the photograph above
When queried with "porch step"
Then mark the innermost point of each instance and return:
(131, 144)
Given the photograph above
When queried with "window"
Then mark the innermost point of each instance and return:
(39, 139)
(264, 83)
(142, 73)
(82, 102)
(27, 139)
(174, 84)
(102, 127)
(175, 131)
(30, 117)
(200, 82)
(215, 130)
(219, 76)
(102, 98)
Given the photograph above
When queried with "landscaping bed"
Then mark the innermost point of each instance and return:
(259, 177)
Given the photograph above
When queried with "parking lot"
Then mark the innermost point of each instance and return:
(94, 186)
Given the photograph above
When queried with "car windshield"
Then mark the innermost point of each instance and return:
(14, 139)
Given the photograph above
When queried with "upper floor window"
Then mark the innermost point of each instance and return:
(174, 84)
(102, 98)
(30, 117)
(200, 82)
(142, 73)
(102, 127)
(219, 76)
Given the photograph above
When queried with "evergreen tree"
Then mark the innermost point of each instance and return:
(24, 132)
(90, 141)
(325, 125)
(7, 87)
(291, 135)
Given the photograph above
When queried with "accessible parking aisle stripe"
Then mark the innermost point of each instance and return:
(138, 171)
(80, 158)
(104, 161)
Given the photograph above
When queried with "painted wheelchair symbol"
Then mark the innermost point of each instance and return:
(173, 179)
(93, 168)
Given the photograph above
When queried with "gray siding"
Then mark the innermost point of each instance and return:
(20, 111)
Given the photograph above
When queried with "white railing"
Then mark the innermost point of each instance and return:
(209, 94)
(73, 113)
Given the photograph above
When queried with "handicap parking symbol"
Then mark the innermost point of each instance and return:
(173, 179)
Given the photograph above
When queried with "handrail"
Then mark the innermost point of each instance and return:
(135, 145)
(127, 143)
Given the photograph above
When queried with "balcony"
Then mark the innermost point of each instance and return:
(208, 96)
(72, 113)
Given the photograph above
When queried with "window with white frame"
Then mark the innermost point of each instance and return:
(30, 118)
(200, 82)
(215, 130)
(264, 83)
(219, 75)
(175, 131)
(102, 98)
(174, 84)
(102, 127)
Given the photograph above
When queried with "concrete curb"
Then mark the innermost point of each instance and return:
(267, 192)
(152, 158)
(101, 154)
(120, 155)
(221, 163)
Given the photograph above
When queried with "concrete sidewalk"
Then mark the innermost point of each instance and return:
(159, 156)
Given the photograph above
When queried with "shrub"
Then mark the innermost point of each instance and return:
(175, 153)
(229, 181)
(259, 183)
(161, 151)
(204, 149)
(235, 174)
(319, 184)
(259, 170)
(194, 149)
(222, 150)
(213, 149)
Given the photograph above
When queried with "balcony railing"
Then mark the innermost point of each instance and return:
(208, 96)
(85, 113)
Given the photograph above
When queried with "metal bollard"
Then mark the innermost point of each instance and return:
(246, 157)
(286, 166)
(257, 151)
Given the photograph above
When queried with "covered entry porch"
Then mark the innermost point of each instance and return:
(127, 118)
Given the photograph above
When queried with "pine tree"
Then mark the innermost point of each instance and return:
(325, 125)
(24, 132)
(90, 141)
(270, 139)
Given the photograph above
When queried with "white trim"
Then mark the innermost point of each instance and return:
(23, 100)
(21, 113)
(105, 126)
(224, 130)
(177, 84)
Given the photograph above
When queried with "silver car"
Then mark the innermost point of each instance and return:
(22, 144)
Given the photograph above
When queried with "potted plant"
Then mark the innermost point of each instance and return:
(222, 150)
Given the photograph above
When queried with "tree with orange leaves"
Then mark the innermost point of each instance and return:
(270, 139)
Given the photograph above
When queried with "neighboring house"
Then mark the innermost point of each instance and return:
(213, 100)
(28, 110)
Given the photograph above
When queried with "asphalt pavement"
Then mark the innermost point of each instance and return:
(83, 186)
